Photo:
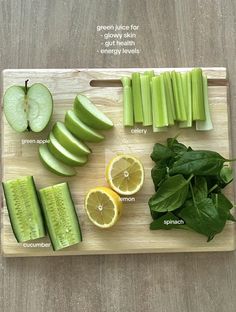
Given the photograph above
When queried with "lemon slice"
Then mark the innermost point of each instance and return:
(103, 206)
(125, 174)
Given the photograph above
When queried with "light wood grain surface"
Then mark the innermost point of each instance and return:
(131, 234)
(62, 34)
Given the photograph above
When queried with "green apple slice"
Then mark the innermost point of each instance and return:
(67, 140)
(90, 114)
(80, 129)
(40, 105)
(53, 164)
(63, 155)
(14, 108)
(28, 108)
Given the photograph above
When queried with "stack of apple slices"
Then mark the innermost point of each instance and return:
(66, 148)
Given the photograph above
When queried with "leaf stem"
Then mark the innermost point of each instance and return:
(213, 188)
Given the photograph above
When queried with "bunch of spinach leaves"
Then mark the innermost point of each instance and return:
(188, 185)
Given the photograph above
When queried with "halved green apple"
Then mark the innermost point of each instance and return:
(80, 129)
(68, 140)
(63, 154)
(53, 164)
(90, 114)
(28, 108)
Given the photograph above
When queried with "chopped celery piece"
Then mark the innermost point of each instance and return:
(160, 117)
(159, 129)
(150, 73)
(178, 97)
(169, 92)
(206, 124)
(137, 98)
(146, 100)
(171, 121)
(187, 91)
(183, 114)
(128, 111)
(197, 95)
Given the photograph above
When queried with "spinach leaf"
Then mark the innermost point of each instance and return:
(161, 152)
(170, 195)
(231, 217)
(175, 146)
(156, 215)
(167, 222)
(223, 205)
(225, 176)
(200, 190)
(202, 217)
(203, 163)
(158, 173)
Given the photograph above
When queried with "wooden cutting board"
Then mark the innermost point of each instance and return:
(131, 234)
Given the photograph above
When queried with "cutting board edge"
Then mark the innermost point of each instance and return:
(121, 252)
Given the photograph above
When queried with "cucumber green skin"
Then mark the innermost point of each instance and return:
(71, 172)
(41, 223)
(74, 126)
(88, 117)
(73, 214)
(64, 138)
(62, 157)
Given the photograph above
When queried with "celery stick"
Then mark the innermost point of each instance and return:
(154, 100)
(176, 96)
(187, 91)
(126, 81)
(146, 100)
(171, 121)
(128, 111)
(182, 100)
(160, 117)
(206, 124)
(169, 91)
(197, 95)
(159, 129)
(150, 73)
(137, 98)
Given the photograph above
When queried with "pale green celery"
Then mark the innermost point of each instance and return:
(183, 113)
(146, 100)
(137, 98)
(187, 91)
(178, 97)
(128, 110)
(150, 73)
(159, 129)
(169, 91)
(197, 95)
(160, 116)
(171, 121)
(205, 125)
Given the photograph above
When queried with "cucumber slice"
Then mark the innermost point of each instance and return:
(68, 141)
(63, 155)
(80, 129)
(90, 114)
(23, 208)
(53, 164)
(60, 215)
